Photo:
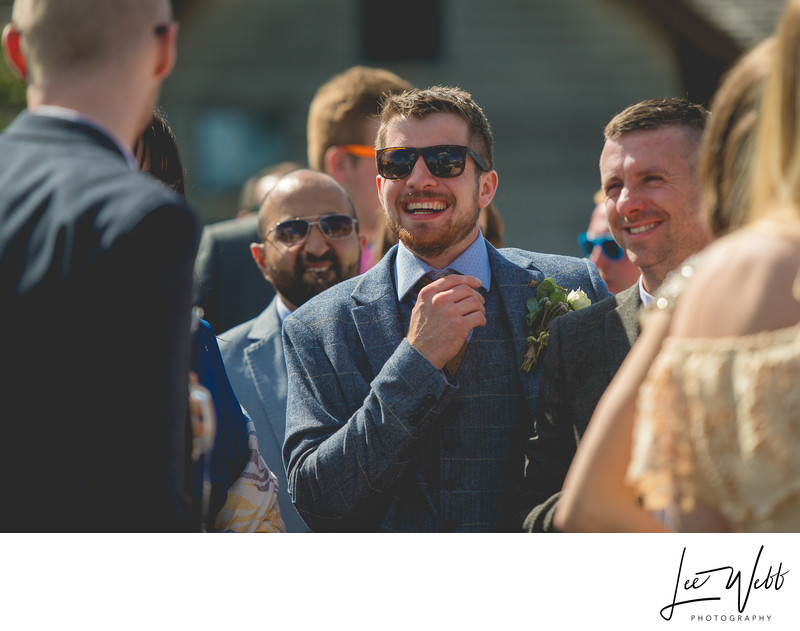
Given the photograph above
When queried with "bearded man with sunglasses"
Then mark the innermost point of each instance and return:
(652, 205)
(307, 241)
(407, 409)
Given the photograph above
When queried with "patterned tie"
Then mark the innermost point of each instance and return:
(455, 363)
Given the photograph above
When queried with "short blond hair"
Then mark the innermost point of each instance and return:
(342, 106)
(63, 36)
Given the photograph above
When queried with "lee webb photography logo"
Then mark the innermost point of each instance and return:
(728, 592)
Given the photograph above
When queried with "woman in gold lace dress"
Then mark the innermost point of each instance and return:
(700, 429)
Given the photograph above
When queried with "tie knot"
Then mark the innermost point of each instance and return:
(422, 282)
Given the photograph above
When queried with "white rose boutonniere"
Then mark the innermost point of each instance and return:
(578, 299)
(550, 301)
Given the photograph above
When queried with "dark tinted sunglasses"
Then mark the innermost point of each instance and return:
(610, 247)
(295, 231)
(396, 163)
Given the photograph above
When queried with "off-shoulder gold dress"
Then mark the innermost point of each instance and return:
(718, 423)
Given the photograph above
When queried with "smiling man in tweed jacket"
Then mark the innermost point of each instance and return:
(384, 432)
(647, 169)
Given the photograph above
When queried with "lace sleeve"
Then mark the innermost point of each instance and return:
(719, 422)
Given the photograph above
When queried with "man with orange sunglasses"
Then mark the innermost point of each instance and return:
(341, 129)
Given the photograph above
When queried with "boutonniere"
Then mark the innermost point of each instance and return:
(549, 302)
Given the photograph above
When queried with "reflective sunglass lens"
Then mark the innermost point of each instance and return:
(395, 164)
(291, 232)
(445, 161)
(441, 160)
(337, 226)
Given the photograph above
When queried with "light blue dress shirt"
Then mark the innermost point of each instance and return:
(474, 261)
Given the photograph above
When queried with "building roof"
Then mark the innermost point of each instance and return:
(747, 22)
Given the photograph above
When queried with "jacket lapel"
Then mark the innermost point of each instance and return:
(622, 327)
(265, 362)
(511, 281)
(376, 313)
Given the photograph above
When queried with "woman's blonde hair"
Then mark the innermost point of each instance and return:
(726, 151)
(776, 172)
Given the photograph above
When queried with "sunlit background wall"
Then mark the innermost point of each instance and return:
(548, 73)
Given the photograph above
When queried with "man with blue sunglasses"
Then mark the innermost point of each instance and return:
(598, 244)
(652, 206)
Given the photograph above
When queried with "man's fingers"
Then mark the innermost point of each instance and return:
(451, 281)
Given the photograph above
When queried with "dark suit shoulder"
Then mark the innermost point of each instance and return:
(626, 301)
(245, 229)
(573, 320)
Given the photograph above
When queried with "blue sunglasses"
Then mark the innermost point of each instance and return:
(610, 247)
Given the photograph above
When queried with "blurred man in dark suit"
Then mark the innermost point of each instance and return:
(95, 277)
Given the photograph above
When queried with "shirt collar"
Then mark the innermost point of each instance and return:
(647, 299)
(56, 111)
(474, 261)
(283, 310)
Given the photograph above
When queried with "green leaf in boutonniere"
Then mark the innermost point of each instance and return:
(550, 301)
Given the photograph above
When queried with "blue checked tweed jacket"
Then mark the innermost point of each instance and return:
(365, 446)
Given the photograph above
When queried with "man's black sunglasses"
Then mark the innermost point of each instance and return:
(295, 231)
(396, 163)
(610, 247)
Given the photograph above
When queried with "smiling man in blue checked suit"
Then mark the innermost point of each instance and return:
(407, 409)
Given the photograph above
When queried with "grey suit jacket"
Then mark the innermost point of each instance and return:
(363, 402)
(253, 356)
(585, 350)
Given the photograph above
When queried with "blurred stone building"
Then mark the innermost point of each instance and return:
(548, 73)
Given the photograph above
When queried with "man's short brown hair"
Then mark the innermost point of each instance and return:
(341, 107)
(655, 114)
(441, 100)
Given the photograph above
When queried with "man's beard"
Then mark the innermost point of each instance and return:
(426, 246)
(299, 286)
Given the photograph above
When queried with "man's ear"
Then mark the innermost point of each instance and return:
(488, 188)
(259, 252)
(13, 52)
(336, 163)
(168, 52)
